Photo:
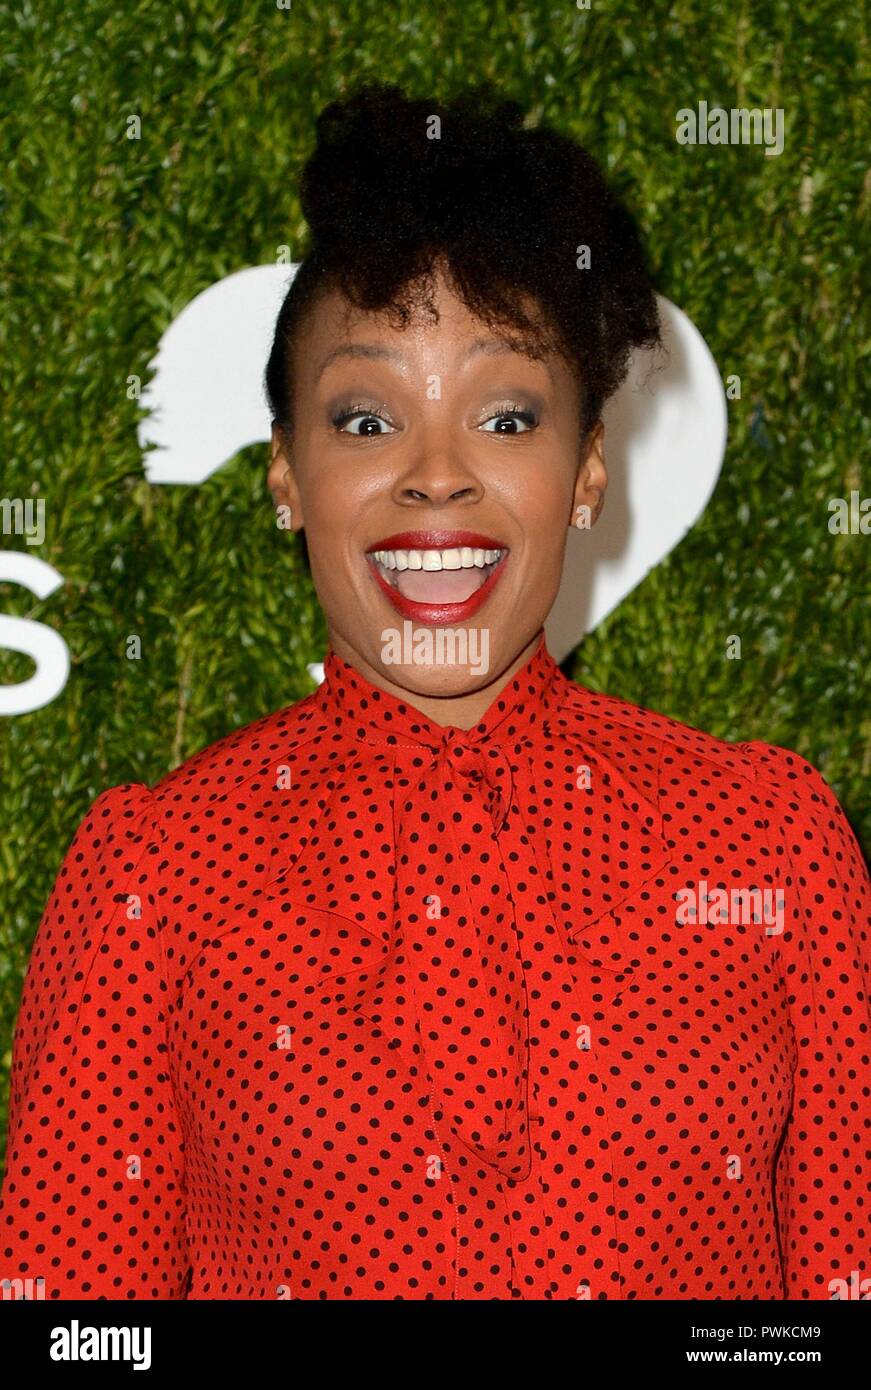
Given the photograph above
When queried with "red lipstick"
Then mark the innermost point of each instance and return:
(436, 614)
(436, 540)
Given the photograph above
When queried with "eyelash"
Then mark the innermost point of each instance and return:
(507, 409)
(348, 412)
(512, 411)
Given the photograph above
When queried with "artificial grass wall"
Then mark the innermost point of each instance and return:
(104, 240)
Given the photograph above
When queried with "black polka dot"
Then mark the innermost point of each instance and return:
(355, 1006)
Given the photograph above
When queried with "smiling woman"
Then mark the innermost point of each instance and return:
(395, 993)
(439, 427)
(444, 353)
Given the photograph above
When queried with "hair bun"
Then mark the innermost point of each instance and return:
(519, 214)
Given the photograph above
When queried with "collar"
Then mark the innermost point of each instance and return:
(601, 782)
(376, 716)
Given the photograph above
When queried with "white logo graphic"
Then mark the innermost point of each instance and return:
(41, 643)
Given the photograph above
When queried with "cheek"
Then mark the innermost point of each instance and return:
(326, 532)
(332, 501)
(336, 487)
(540, 498)
(542, 508)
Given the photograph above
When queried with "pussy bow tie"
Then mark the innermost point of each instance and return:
(456, 847)
(461, 943)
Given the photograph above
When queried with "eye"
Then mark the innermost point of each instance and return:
(367, 419)
(511, 420)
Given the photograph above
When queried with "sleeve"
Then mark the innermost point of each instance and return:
(92, 1202)
(822, 1179)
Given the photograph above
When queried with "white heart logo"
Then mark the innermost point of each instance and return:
(665, 436)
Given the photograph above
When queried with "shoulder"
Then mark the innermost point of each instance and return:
(780, 777)
(809, 820)
(625, 730)
(786, 810)
(790, 779)
(134, 817)
(242, 754)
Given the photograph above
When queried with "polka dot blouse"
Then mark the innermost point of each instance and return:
(569, 1005)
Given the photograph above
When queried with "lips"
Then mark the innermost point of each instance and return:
(439, 576)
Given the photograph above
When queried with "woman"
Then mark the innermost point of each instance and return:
(455, 980)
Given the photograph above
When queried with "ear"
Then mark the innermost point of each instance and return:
(592, 479)
(281, 479)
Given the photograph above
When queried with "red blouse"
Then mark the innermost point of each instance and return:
(355, 1006)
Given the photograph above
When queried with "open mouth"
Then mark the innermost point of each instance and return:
(437, 576)
(445, 580)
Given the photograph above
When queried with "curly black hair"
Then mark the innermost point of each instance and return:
(396, 187)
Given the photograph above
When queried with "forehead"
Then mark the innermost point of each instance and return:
(435, 320)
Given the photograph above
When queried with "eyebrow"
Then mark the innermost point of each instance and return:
(492, 347)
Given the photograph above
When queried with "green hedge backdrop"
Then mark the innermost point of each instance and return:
(104, 240)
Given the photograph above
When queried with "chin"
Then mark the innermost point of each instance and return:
(436, 659)
(438, 681)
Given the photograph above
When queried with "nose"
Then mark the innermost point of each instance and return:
(437, 474)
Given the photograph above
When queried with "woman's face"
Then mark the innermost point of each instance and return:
(436, 471)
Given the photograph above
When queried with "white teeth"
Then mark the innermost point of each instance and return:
(463, 558)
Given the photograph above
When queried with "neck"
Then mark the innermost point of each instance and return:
(455, 711)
